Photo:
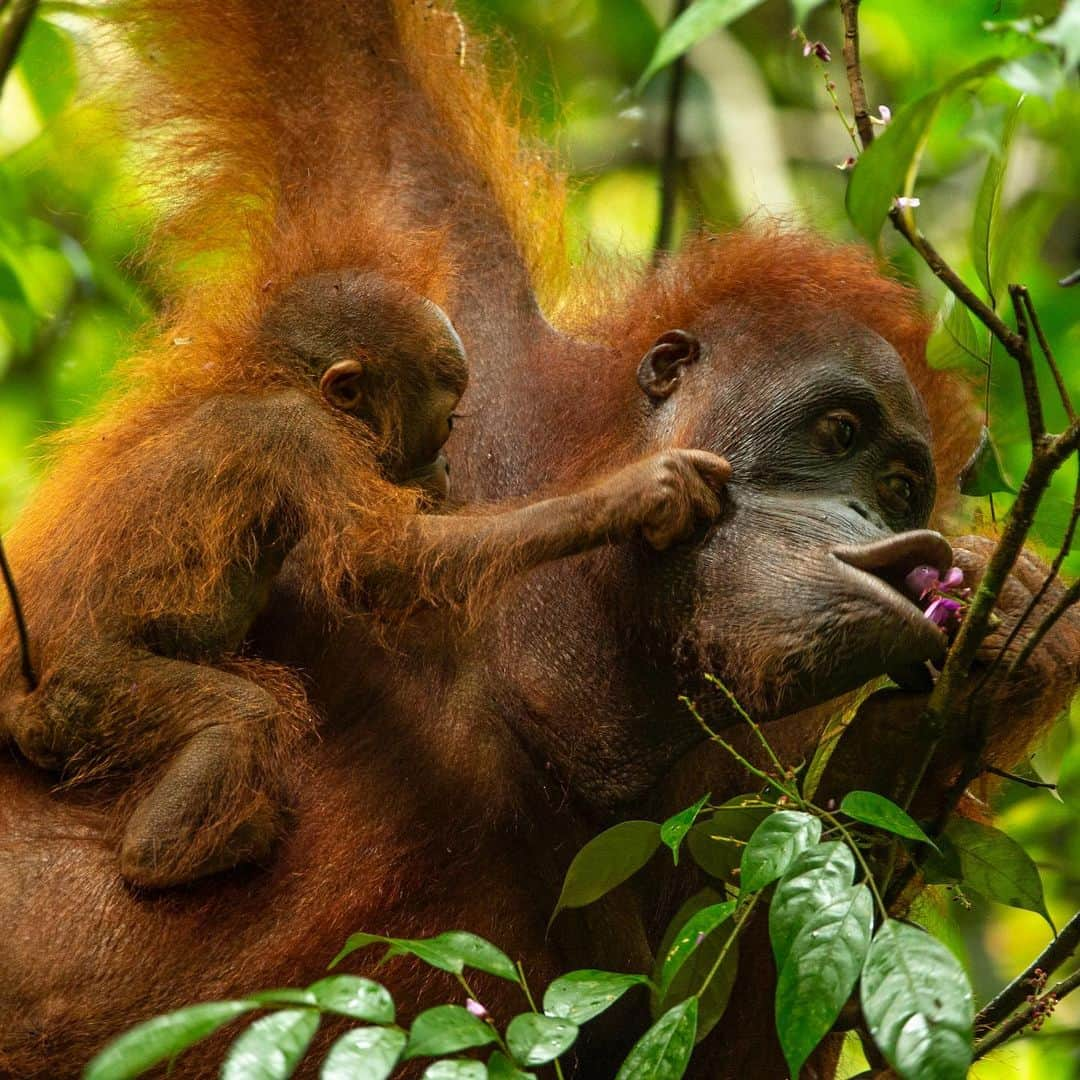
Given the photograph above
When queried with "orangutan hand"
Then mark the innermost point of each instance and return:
(666, 495)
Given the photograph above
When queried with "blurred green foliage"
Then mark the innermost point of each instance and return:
(758, 132)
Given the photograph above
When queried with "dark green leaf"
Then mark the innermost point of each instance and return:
(817, 878)
(696, 929)
(350, 995)
(821, 970)
(882, 813)
(535, 1040)
(1068, 781)
(368, 1053)
(606, 861)
(272, 1047)
(774, 846)
(162, 1038)
(445, 1030)
(702, 18)
(690, 979)
(663, 1052)
(881, 173)
(284, 997)
(957, 341)
(995, 865)
(452, 951)
(918, 1004)
(983, 474)
(675, 828)
(580, 995)
(984, 225)
(356, 941)
(456, 1069)
(942, 867)
(717, 844)
(500, 1067)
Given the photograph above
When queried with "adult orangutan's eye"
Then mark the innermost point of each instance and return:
(835, 433)
(897, 492)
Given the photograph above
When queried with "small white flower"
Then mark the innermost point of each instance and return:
(906, 203)
(883, 117)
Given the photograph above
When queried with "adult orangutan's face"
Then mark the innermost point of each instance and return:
(791, 598)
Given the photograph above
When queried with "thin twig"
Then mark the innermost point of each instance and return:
(27, 665)
(1011, 997)
(1069, 597)
(669, 162)
(12, 34)
(1028, 380)
(1021, 1020)
(849, 9)
(1017, 779)
(1051, 363)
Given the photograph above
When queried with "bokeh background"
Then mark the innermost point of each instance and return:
(757, 134)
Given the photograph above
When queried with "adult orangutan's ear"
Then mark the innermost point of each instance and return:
(342, 384)
(662, 366)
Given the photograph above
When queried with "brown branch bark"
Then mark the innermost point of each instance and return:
(669, 161)
(12, 34)
(1021, 1020)
(849, 9)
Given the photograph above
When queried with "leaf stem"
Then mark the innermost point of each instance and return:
(739, 922)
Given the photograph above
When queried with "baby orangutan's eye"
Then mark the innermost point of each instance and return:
(835, 433)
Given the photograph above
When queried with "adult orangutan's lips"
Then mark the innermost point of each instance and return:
(878, 570)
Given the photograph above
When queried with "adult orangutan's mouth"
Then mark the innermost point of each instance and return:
(877, 571)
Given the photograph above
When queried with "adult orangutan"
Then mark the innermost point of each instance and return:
(459, 771)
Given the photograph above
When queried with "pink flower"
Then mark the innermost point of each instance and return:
(818, 48)
(944, 611)
(477, 1009)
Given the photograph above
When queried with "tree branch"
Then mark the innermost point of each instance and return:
(1011, 997)
(849, 9)
(1039, 1008)
(12, 34)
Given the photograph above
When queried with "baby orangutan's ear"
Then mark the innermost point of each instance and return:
(342, 384)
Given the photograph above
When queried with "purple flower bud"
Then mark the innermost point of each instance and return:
(953, 579)
(477, 1009)
(808, 48)
(943, 611)
(920, 581)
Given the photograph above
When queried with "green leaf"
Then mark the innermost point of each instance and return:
(817, 878)
(1038, 74)
(162, 1038)
(368, 1053)
(956, 340)
(882, 171)
(1068, 781)
(1064, 32)
(285, 996)
(717, 844)
(690, 979)
(820, 972)
(800, 9)
(47, 62)
(663, 1052)
(455, 1069)
(995, 865)
(452, 951)
(774, 846)
(500, 1067)
(984, 474)
(350, 995)
(272, 1047)
(675, 828)
(873, 809)
(694, 932)
(446, 1029)
(580, 995)
(918, 1004)
(702, 18)
(984, 224)
(535, 1040)
(606, 861)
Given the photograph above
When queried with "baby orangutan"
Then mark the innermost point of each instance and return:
(332, 445)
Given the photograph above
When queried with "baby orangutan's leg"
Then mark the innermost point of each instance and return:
(221, 797)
